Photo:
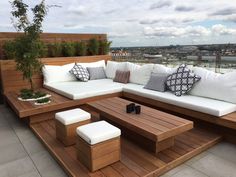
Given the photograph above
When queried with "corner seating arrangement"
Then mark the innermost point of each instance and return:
(139, 76)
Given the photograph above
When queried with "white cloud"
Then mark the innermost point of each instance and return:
(220, 29)
(177, 31)
(138, 20)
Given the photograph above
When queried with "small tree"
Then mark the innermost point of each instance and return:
(28, 46)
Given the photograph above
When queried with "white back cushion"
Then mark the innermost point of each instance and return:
(53, 73)
(161, 69)
(215, 85)
(100, 63)
(139, 74)
(112, 66)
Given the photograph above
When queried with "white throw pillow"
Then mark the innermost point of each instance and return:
(161, 69)
(100, 63)
(53, 73)
(112, 66)
(215, 85)
(139, 74)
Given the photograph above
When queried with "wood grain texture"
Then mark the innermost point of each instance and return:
(228, 120)
(152, 124)
(100, 155)
(67, 133)
(58, 103)
(134, 160)
(12, 80)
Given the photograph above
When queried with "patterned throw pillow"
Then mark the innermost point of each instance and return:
(182, 81)
(80, 72)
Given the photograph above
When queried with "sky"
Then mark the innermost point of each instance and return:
(139, 22)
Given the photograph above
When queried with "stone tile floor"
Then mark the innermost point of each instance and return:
(22, 155)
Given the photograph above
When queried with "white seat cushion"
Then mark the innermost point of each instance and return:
(97, 132)
(53, 73)
(80, 90)
(72, 116)
(215, 85)
(112, 66)
(139, 74)
(201, 104)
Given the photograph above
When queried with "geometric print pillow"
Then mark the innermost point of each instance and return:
(80, 72)
(182, 81)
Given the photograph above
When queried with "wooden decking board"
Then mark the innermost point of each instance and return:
(135, 161)
(163, 125)
(162, 116)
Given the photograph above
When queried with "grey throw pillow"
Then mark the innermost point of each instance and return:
(157, 82)
(96, 73)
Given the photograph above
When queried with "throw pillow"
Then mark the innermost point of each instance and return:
(80, 73)
(157, 82)
(122, 76)
(182, 81)
(96, 73)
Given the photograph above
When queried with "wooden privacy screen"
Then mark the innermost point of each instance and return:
(12, 80)
(52, 38)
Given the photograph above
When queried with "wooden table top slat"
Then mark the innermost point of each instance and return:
(151, 123)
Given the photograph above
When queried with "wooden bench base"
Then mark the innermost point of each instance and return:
(100, 155)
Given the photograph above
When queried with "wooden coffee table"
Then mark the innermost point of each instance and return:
(153, 129)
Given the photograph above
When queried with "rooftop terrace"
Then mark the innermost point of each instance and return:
(22, 155)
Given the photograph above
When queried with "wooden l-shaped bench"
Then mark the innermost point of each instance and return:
(12, 82)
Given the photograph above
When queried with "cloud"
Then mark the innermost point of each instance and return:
(79, 10)
(118, 35)
(225, 11)
(220, 29)
(160, 4)
(176, 31)
(184, 8)
(169, 20)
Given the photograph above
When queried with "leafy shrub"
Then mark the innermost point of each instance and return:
(93, 47)
(81, 48)
(54, 50)
(9, 49)
(68, 49)
(44, 100)
(104, 47)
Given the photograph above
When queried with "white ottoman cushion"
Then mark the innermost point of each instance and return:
(97, 132)
(72, 116)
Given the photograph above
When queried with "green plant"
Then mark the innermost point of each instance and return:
(8, 49)
(28, 46)
(39, 94)
(93, 47)
(104, 47)
(55, 50)
(26, 94)
(44, 100)
(68, 49)
(81, 48)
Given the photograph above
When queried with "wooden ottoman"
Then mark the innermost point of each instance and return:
(67, 122)
(98, 145)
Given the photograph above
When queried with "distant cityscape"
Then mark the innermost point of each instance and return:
(217, 57)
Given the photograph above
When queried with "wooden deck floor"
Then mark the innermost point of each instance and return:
(134, 160)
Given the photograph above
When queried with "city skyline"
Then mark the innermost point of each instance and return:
(140, 22)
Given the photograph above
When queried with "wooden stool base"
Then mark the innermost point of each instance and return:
(100, 155)
(67, 133)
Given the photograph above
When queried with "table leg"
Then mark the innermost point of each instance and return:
(162, 145)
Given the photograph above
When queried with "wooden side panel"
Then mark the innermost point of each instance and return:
(12, 80)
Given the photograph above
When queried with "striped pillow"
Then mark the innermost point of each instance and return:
(122, 76)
